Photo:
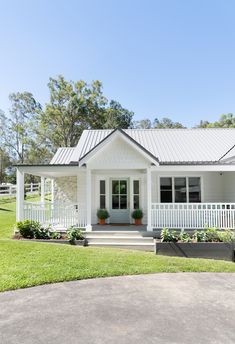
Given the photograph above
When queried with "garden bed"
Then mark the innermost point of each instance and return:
(210, 250)
(59, 241)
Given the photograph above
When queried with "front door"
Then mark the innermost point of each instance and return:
(119, 198)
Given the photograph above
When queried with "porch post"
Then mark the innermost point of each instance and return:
(149, 198)
(19, 195)
(88, 199)
(52, 190)
(42, 189)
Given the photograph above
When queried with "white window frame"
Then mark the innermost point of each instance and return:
(187, 187)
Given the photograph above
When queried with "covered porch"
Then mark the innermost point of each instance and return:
(80, 191)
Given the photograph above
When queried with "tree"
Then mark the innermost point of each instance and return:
(225, 121)
(5, 165)
(165, 123)
(142, 124)
(17, 130)
(75, 106)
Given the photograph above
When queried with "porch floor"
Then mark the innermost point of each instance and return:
(116, 228)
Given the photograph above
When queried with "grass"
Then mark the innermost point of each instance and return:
(25, 264)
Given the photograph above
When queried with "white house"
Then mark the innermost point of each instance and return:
(180, 178)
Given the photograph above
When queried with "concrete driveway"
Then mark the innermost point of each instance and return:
(159, 308)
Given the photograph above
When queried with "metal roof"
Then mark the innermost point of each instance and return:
(167, 145)
(62, 156)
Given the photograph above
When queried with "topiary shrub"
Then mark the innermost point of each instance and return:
(102, 214)
(137, 214)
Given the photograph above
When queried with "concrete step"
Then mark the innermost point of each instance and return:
(120, 240)
(129, 245)
(114, 234)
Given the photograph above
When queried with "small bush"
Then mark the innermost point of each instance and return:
(184, 236)
(42, 233)
(199, 236)
(55, 235)
(168, 235)
(212, 235)
(227, 236)
(137, 214)
(27, 228)
(74, 234)
(102, 214)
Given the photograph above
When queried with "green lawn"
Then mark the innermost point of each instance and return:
(24, 264)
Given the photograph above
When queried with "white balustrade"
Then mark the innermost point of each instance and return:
(193, 215)
(56, 214)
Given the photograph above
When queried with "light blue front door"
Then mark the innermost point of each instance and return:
(119, 201)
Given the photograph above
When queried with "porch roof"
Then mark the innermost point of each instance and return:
(169, 145)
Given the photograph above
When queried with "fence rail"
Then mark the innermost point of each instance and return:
(31, 188)
(193, 215)
(59, 215)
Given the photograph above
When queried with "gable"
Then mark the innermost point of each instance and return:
(118, 154)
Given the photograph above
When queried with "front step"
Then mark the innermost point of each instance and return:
(120, 239)
(130, 245)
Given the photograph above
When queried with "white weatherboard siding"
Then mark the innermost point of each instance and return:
(118, 154)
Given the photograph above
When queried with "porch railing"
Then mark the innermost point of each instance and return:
(59, 215)
(193, 215)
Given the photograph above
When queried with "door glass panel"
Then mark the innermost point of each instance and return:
(123, 187)
(166, 190)
(180, 190)
(115, 201)
(115, 186)
(194, 185)
(123, 202)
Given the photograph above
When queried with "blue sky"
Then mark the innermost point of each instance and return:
(172, 58)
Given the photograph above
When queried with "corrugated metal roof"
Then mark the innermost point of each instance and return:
(168, 145)
(62, 156)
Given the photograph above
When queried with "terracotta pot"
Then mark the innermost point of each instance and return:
(102, 221)
(138, 222)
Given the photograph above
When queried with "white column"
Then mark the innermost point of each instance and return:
(19, 195)
(42, 189)
(52, 190)
(88, 199)
(149, 198)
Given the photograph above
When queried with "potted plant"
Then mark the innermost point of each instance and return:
(102, 215)
(137, 215)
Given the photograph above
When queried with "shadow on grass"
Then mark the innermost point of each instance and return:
(3, 209)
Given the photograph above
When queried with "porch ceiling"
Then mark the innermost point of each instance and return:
(51, 171)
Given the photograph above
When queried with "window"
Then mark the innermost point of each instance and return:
(136, 194)
(102, 194)
(166, 190)
(180, 189)
(194, 189)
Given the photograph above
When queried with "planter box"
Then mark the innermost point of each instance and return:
(211, 250)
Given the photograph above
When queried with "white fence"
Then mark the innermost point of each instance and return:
(32, 188)
(193, 215)
(59, 215)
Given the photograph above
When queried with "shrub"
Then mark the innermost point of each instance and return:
(184, 236)
(27, 228)
(168, 235)
(42, 233)
(137, 214)
(74, 233)
(55, 235)
(212, 235)
(227, 236)
(102, 214)
(199, 236)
